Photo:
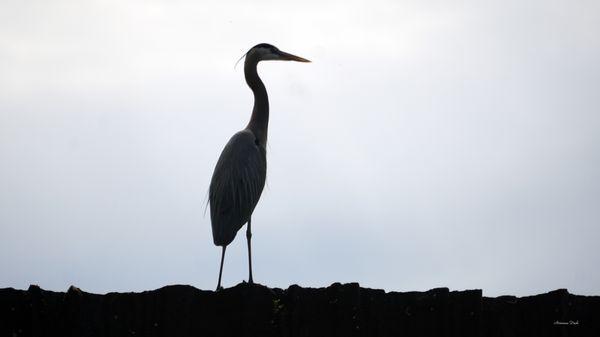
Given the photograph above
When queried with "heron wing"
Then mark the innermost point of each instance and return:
(236, 185)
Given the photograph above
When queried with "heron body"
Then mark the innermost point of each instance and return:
(236, 185)
(239, 176)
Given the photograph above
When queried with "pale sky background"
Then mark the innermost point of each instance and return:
(429, 144)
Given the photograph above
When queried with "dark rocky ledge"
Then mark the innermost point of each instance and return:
(339, 310)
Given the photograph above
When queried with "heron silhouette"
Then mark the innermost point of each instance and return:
(241, 170)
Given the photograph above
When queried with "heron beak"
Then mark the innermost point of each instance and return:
(289, 57)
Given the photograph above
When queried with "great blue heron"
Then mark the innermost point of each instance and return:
(240, 173)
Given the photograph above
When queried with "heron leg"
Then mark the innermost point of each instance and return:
(249, 237)
(221, 269)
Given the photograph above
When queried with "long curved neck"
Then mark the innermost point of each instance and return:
(259, 121)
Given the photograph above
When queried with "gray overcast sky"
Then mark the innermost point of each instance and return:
(430, 143)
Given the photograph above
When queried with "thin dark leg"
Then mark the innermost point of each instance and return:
(221, 269)
(249, 236)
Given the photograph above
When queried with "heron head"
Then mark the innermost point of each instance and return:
(267, 52)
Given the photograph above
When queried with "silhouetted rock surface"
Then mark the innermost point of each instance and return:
(339, 310)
